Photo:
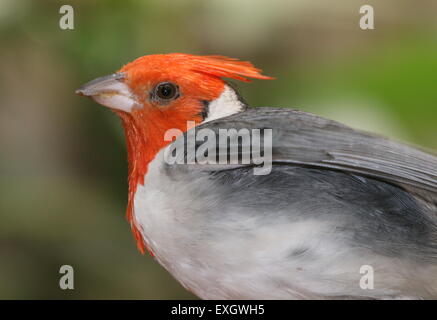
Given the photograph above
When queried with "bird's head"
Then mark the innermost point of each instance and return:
(167, 90)
(156, 93)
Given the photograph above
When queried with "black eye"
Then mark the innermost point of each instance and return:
(166, 91)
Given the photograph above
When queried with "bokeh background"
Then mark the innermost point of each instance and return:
(63, 185)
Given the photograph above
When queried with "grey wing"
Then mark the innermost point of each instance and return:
(350, 184)
(300, 138)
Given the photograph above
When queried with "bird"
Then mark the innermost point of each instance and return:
(333, 201)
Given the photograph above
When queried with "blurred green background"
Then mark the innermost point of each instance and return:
(63, 184)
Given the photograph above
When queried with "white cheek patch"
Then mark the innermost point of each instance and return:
(227, 104)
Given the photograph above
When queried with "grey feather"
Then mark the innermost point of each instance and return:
(301, 138)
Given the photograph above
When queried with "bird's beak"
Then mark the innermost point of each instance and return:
(110, 91)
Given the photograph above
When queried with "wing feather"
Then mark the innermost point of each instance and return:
(301, 138)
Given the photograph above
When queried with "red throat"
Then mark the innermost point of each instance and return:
(143, 141)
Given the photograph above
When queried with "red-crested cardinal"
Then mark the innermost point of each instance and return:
(333, 205)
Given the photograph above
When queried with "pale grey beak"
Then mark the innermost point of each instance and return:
(110, 91)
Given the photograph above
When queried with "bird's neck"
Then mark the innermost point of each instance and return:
(144, 139)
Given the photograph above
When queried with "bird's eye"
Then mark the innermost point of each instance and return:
(166, 91)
